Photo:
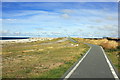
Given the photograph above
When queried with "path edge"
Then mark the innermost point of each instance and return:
(69, 72)
(110, 65)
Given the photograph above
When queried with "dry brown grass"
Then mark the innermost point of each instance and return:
(106, 44)
(109, 45)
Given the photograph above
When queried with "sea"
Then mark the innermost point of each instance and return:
(13, 38)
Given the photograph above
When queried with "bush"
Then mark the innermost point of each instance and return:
(109, 45)
(118, 47)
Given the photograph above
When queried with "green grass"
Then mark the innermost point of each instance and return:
(113, 55)
(32, 60)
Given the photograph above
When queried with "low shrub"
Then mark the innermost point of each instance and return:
(109, 45)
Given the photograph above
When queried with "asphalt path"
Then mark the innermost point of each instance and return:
(93, 66)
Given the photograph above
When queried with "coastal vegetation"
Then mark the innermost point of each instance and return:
(40, 59)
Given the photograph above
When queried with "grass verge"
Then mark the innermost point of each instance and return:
(114, 56)
(33, 60)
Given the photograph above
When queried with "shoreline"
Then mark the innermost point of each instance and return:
(24, 40)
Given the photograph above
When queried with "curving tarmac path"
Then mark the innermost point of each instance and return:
(93, 66)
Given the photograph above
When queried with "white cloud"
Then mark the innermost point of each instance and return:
(68, 11)
(26, 13)
(9, 19)
(5, 32)
(108, 28)
(92, 15)
(97, 20)
(17, 33)
(105, 28)
(69, 19)
(65, 16)
(39, 29)
(111, 18)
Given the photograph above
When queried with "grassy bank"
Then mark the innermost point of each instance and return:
(113, 55)
(112, 49)
(33, 60)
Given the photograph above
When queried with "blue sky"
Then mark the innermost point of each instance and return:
(58, 19)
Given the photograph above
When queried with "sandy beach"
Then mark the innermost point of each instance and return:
(24, 40)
